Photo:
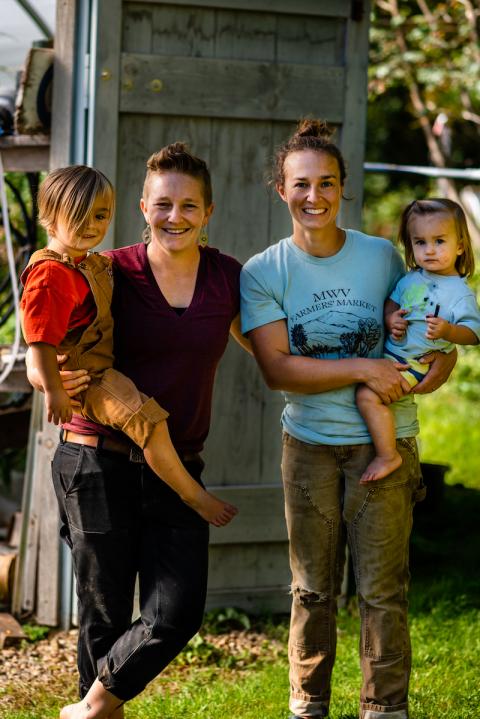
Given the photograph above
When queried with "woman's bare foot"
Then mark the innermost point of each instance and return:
(211, 508)
(381, 467)
(97, 704)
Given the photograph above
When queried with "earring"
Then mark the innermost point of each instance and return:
(147, 234)
(203, 239)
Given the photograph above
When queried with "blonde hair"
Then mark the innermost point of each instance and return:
(465, 263)
(177, 158)
(70, 193)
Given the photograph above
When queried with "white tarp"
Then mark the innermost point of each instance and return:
(17, 32)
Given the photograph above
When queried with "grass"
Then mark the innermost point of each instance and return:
(445, 628)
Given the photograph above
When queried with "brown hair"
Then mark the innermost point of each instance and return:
(465, 263)
(310, 135)
(177, 158)
(70, 193)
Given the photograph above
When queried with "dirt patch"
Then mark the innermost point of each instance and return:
(49, 665)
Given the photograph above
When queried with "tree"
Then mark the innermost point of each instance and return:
(430, 52)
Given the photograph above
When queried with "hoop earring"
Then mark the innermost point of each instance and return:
(203, 239)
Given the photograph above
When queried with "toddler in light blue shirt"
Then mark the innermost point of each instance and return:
(431, 308)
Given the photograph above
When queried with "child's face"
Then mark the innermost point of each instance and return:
(91, 235)
(435, 243)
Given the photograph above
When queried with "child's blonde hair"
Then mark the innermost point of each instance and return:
(70, 193)
(465, 263)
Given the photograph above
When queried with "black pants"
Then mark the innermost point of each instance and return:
(121, 520)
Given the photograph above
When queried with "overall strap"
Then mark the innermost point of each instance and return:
(46, 254)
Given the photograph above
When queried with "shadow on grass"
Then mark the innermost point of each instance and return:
(444, 551)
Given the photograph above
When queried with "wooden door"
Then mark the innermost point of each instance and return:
(230, 77)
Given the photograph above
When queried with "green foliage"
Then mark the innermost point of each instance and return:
(35, 632)
(222, 620)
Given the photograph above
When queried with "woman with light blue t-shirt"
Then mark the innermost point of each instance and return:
(312, 306)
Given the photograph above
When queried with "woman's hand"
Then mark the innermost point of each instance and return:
(74, 381)
(441, 366)
(385, 379)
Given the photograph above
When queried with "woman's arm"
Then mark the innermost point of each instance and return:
(236, 333)
(307, 375)
(441, 366)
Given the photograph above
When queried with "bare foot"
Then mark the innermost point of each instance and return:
(211, 508)
(381, 467)
(117, 714)
(97, 704)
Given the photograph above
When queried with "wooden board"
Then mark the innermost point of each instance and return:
(323, 8)
(206, 87)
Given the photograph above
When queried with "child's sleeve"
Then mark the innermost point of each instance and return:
(467, 313)
(46, 309)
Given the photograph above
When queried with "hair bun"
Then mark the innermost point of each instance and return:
(309, 127)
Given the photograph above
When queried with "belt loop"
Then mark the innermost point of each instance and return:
(101, 438)
(62, 441)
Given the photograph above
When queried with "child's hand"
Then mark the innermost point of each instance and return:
(437, 328)
(59, 409)
(397, 324)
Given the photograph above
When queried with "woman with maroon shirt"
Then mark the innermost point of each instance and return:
(174, 305)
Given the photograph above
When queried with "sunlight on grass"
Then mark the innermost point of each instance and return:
(450, 434)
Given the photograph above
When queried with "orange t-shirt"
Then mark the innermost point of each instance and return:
(56, 298)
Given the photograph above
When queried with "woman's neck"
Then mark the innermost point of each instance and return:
(173, 262)
(319, 243)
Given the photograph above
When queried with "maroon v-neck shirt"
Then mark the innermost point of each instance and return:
(172, 357)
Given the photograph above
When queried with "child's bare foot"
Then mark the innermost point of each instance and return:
(211, 508)
(381, 467)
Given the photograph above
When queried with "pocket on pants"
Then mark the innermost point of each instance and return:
(86, 500)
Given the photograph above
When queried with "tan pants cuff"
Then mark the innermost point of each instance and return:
(141, 424)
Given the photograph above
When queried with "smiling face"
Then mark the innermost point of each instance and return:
(313, 191)
(435, 243)
(174, 208)
(77, 243)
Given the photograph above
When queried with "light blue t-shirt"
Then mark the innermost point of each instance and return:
(334, 309)
(421, 292)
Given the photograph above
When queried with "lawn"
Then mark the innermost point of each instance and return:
(211, 680)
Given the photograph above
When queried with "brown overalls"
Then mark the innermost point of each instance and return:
(111, 398)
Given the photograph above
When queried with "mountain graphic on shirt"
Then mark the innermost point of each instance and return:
(336, 335)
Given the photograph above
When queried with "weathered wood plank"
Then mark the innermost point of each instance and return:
(225, 88)
(325, 8)
(355, 120)
(25, 153)
(137, 28)
(103, 116)
(261, 514)
(183, 31)
(313, 41)
(62, 95)
(249, 566)
(242, 35)
(254, 600)
(48, 571)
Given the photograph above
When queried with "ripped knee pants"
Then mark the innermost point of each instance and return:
(325, 507)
